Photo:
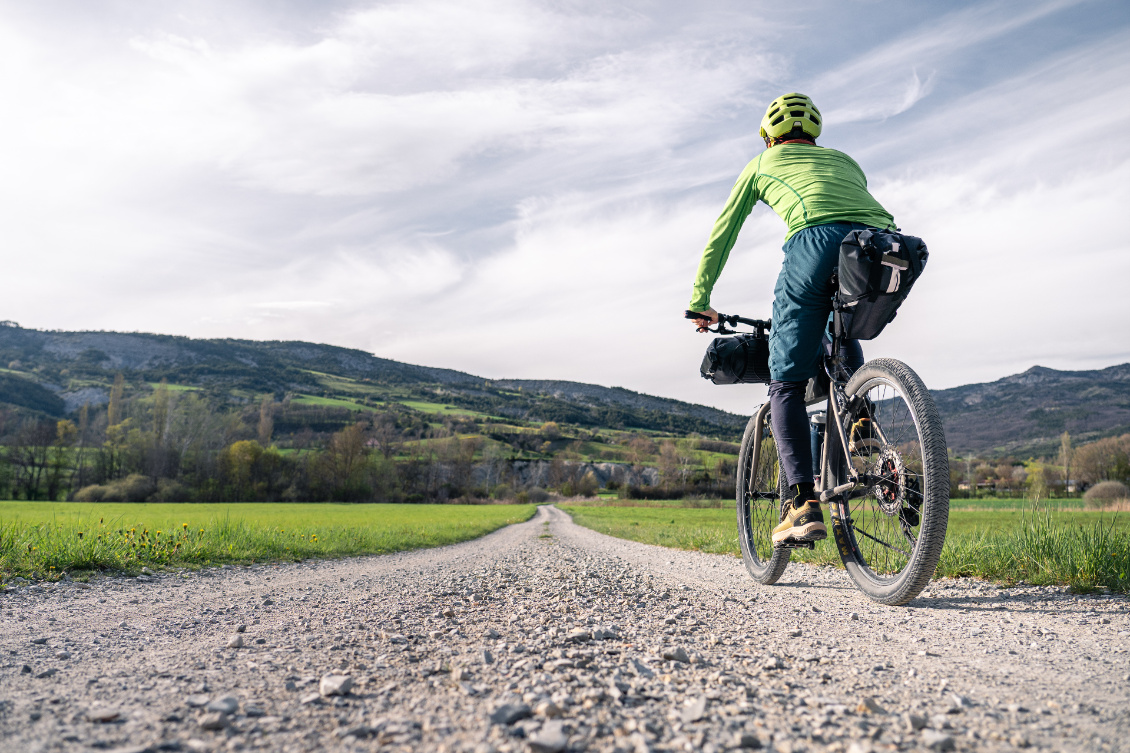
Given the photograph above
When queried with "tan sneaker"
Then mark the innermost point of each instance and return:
(803, 522)
(863, 439)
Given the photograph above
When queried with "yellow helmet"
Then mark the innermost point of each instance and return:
(790, 111)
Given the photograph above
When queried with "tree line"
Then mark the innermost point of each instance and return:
(177, 445)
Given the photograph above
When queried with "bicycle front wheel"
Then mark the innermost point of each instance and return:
(890, 534)
(759, 486)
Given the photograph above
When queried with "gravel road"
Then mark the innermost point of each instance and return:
(545, 636)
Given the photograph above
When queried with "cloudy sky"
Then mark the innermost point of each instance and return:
(523, 189)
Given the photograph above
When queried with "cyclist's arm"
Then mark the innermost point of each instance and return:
(742, 198)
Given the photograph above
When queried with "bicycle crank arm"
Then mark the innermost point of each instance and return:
(827, 496)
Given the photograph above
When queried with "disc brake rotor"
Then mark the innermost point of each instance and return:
(890, 491)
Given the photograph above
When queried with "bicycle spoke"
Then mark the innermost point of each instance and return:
(900, 551)
(892, 457)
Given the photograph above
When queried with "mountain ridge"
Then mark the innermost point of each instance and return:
(55, 372)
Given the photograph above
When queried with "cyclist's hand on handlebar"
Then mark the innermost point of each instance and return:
(706, 318)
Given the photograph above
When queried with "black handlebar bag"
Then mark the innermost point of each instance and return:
(738, 359)
(876, 272)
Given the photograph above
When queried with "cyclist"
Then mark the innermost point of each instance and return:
(822, 195)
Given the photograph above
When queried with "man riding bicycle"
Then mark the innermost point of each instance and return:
(822, 195)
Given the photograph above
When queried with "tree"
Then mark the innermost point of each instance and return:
(1065, 456)
(266, 420)
(114, 409)
(1105, 460)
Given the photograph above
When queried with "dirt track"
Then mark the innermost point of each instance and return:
(546, 636)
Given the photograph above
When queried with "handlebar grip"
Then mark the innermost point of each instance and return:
(688, 314)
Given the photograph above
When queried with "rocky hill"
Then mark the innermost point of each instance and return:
(1025, 414)
(55, 373)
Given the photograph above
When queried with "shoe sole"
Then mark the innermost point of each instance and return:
(871, 446)
(805, 533)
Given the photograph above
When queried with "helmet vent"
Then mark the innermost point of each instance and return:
(777, 120)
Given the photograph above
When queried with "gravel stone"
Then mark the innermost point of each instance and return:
(226, 705)
(103, 715)
(937, 740)
(332, 685)
(214, 721)
(508, 713)
(236, 641)
(551, 738)
(678, 653)
(694, 710)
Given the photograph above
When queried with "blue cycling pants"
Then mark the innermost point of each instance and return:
(802, 303)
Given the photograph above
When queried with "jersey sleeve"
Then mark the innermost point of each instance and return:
(742, 199)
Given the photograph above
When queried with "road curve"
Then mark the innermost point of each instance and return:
(546, 636)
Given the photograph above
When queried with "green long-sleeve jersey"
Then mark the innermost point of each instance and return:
(805, 185)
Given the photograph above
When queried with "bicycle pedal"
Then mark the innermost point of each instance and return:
(794, 544)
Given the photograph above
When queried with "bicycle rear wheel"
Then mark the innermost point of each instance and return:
(890, 534)
(760, 483)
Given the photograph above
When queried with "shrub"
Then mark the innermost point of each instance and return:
(587, 486)
(523, 497)
(502, 491)
(132, 488)
(171, 491)
(1107, 491)
(92, 493)
(537, 496)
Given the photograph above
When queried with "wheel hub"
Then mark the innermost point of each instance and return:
(890, 491)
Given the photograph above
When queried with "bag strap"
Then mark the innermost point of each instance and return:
(875, 279)
(913, 253)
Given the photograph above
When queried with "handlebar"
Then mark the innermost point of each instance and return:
(759, 325)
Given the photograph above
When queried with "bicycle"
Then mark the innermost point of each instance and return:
(884, 473)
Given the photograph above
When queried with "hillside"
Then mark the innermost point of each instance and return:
(55, 373)
(1025, 414)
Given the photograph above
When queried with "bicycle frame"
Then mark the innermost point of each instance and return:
(837, 406)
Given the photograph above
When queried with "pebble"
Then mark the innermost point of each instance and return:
(225, 705)
(236, 641)
(197, 700)
(937, 740)
(103, 715)
(332, 685)
(870, 706)
(678, 653)
(508, 713)
(551, 738)
(694, 710)
(214, 721)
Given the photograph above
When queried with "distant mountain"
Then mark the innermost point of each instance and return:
(1025, 414)
(55, 373)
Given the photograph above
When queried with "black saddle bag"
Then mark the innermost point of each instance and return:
(876, 272)
(738, 359)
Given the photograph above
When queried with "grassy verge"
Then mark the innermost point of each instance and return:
(45, 540)
(1085, 550)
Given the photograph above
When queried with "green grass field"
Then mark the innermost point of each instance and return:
(1083, 549)
(46, 539)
